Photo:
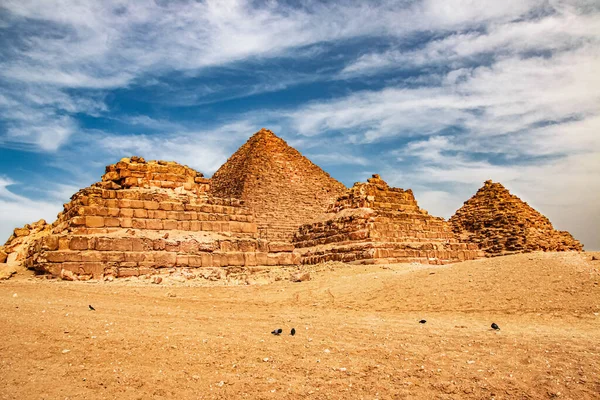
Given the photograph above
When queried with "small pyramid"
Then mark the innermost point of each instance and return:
(283, 188)
(373, 223)
(146, 218)
(501, 223)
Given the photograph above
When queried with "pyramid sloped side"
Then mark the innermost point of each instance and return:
(501, 223)
(282, 187)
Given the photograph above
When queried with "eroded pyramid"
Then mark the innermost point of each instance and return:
(373, 223)
(501, 223)
(282, 188)
(147, 218)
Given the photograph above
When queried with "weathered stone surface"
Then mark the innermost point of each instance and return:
(282, 188)
(17, 247)
(6, 271)
(501, 223)
(373, 223)
(139, 228)
(300, 277)
(137, 172)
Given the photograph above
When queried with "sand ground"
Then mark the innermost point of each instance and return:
(358, 335)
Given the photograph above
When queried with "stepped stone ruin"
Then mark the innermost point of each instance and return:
(267, 205)
(15, 251)
(374, 223)
(150, 217)
(501, 223)
(281, 187)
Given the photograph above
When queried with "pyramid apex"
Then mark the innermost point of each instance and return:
(376, 180)
(265, 132)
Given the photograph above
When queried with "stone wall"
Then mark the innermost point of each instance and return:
(15, 249)
(501, 223)
(282, 188)
(121, 228)
(373, 223)
(136, 172)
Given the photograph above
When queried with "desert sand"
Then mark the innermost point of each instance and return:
(358, 335)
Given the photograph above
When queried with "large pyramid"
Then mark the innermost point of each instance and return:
(151, 217)
(501, 223)
(373, 223)
(282, 188)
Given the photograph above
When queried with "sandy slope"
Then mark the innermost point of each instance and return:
(358, 335)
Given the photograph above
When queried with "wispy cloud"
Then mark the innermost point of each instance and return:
(336, 158)
(204, 150)
(509, 96)
(18, 210)
(62, 45)
(563, 30)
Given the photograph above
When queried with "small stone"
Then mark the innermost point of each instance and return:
(326, 351)
(265, 359)
(65, 351)
(15, 295)
(300, 277)
(21, 232)
(156, 280)
(68, 275)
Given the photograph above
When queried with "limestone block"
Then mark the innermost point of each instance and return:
(165, 259)
(94, 221)
(112, 222)
(138, 223)
(170, 224)
(140, 213)
(233, 259)
(276, 247)
(194, 261)
(155, 224)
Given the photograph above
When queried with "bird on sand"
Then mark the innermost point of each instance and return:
(422, 321)
(277, 332)
(495, 327)
(91, 308)
(293, 332)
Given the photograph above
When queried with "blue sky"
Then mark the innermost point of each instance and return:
(435, 95)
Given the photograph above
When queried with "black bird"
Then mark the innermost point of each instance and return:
(494, 326)
(91, 308)
(422, 321)
(277, 332)
(293, 332)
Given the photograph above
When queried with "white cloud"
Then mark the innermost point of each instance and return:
(16, 211)
(563, 30)
(204, 150)
(508, 96)
(109, 44)
(337, 158)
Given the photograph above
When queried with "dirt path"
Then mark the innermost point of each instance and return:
(358, 335)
